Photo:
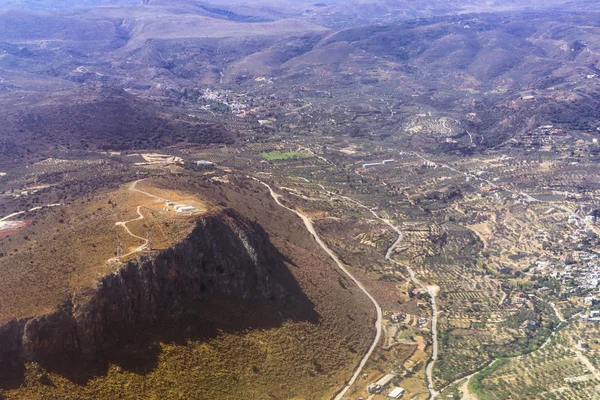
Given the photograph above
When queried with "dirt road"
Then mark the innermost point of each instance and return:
(378, 329)
(12, 215)
(123, 224)
(9, 216)
(413, 277)
(134, 188)
(434, 333)
(432, 293)
(464, 388)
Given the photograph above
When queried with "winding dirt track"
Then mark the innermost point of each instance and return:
(123, 224)
(434, 311)
(134, 188)
(378, 322)
(413, 277)
(12, 215)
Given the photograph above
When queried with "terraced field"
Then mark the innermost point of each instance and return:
(555, 372)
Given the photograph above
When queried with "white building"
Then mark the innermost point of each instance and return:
(381, 384)
(590, 301)
(371, 165)
(396, 393)
(183, 209)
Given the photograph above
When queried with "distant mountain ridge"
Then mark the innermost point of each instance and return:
(51, 5)
(364, 9)
(78, 72)
(359, 12)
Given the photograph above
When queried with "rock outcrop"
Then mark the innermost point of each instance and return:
(224, 255)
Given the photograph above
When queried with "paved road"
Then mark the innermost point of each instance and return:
(434, 333)
(378, 322)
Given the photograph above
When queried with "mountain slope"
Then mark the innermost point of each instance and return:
(251, 298)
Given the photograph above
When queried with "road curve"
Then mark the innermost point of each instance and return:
(134, 188)
(434, 312)
(378, 322)
(12, 215)
(413, 277)
(123, 224)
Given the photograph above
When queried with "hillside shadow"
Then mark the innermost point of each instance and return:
(181, 318)
(12, 372)
(139, 352)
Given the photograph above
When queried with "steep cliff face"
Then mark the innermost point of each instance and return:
(225, 255)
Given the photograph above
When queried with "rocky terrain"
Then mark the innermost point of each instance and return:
(372, 187)
(224, 255)
(123, 78)
(226, 261)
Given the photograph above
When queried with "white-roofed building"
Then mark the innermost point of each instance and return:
(184, 209)
(396, 393)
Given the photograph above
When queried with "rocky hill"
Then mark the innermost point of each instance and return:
(225, 255)
(230, 277)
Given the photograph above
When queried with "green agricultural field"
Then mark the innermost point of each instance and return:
(283, 155)
(554, 372)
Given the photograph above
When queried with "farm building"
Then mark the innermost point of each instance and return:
(381, 384)
(371, 165)
(396, 393)
(183, 209)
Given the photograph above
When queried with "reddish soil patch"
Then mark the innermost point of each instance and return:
(17, 226)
